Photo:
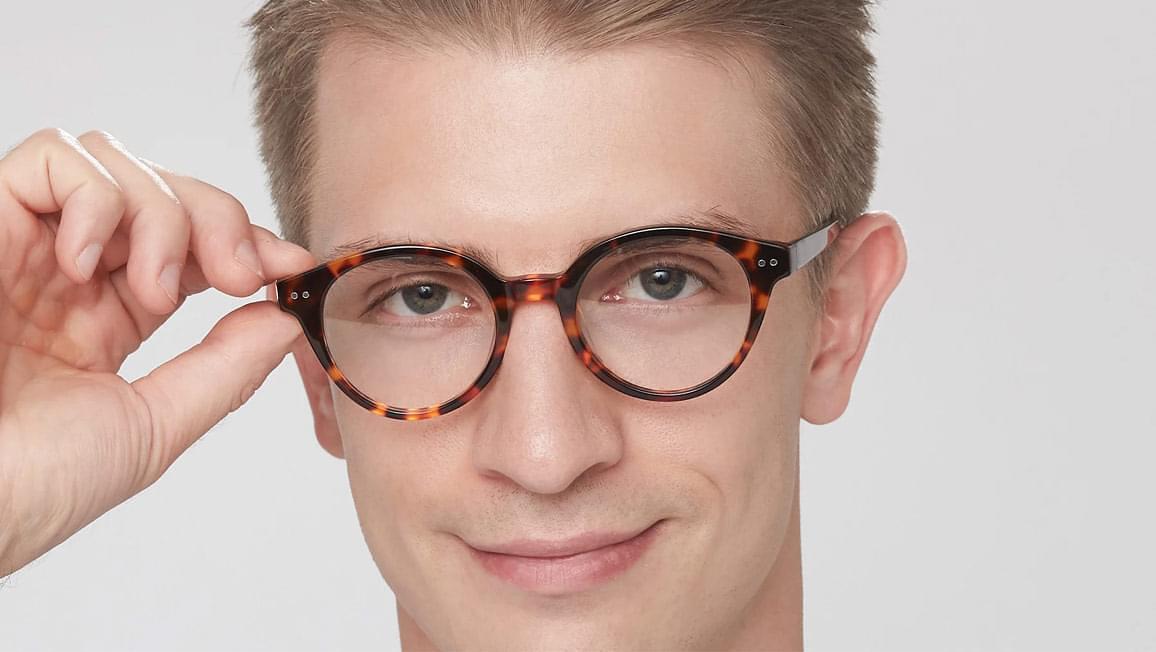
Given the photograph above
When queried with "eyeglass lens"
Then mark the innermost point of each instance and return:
(663, 313)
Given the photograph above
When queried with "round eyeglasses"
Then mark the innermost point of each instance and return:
(662, 313)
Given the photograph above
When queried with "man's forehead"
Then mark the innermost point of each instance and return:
(528, 168)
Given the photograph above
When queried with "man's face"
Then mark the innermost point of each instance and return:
(528, 158)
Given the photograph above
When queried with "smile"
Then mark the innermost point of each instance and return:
(572, 565)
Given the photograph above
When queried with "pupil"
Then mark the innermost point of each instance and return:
(664, 283)
(424, 299)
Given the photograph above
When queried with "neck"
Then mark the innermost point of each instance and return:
(772, 621)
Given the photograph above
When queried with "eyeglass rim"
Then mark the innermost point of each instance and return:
(765, 262)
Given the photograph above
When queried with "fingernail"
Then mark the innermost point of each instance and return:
(169, 280)
(247, 256)
(86, 261)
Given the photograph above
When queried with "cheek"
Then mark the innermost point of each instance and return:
(396, 471)
(741, 443)
(743, 436)
(749, 458)
(758, 473)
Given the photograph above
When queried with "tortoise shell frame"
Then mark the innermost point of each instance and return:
(765, 262)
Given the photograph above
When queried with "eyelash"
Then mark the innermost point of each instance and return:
(388, 293)
(671, 263)
(664, 263)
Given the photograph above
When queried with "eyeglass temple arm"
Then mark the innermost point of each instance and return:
(806, 248)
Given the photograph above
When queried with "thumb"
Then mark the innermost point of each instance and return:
(192, 392)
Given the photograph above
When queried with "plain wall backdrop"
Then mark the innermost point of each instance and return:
(990, 486)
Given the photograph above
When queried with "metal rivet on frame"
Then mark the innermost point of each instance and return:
(762, 263)
(305, 294)
(293, 296)
(774, 262)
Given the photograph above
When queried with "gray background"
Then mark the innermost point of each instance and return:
(989, 487)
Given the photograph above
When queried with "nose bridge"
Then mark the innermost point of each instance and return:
(533, 288)
(547, 428)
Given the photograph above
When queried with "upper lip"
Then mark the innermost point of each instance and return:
(584, 542)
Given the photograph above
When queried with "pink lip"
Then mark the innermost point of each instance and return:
(556, 567)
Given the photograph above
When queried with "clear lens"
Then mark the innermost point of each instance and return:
(409, 331)
(665, 313)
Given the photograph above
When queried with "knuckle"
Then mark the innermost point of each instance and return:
(107, 197)
(96, 136)
(243, 395)
(153, 456)
(219, 202)
(168, 212)
(228, 365)
(44, 138)
(50, 136)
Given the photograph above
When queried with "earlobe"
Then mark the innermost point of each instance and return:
(869, 262)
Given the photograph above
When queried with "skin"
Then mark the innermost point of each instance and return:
(528, 157)
(76, 439)
(631, 137)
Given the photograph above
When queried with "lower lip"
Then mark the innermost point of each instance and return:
(560, 575)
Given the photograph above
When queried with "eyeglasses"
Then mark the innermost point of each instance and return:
(662, 313)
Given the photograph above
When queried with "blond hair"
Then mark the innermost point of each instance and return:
(818, 63)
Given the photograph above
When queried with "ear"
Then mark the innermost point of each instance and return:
(320, 397)
(318, 391)
(869, 260)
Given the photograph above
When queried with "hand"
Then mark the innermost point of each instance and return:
(97, 249)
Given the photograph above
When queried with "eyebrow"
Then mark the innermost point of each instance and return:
(711, 218)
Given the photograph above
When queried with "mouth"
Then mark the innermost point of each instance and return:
(566, 566)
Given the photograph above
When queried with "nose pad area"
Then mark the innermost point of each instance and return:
(546, 289)
(533, 289)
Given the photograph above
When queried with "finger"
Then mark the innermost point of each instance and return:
(189, 394)
(157, 223)
(281, 258)
(193, 281)
(221, 237)
(51, 171)
(116, 251)
(147, 322)
(278, 257)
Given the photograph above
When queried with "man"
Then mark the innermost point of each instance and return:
(469, 172)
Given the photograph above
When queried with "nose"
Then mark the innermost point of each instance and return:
(547, 420)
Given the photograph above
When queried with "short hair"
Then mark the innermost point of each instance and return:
(819, 68)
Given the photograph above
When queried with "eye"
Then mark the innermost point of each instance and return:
(657, 282)
(420, 300)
